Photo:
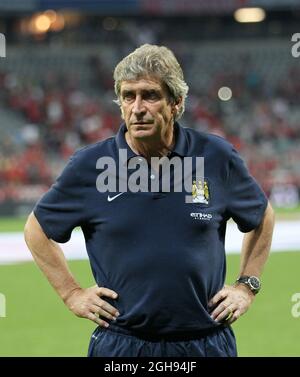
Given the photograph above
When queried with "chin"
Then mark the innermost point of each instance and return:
(142, 134)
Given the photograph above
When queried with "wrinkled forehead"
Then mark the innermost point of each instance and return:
(144, 84)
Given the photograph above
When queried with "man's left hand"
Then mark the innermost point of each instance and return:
(230, 303)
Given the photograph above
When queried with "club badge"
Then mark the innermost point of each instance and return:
(200, 192)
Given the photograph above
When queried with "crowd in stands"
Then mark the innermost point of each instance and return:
(60, 117)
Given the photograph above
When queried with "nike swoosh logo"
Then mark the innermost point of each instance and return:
(111, 198)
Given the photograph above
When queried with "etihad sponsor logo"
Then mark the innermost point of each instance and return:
(201, 216)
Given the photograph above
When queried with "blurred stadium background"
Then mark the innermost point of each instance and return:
(56, 93)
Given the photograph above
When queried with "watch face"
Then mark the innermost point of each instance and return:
(254, 282)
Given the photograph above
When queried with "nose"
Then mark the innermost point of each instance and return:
(138, 106)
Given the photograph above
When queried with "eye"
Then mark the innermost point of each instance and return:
(152, 96)
(128, 96)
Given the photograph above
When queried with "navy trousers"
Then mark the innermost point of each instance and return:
(113, 342)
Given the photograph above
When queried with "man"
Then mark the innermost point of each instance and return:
(158, 258)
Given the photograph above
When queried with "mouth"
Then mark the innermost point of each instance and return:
(142, 126)
(141, 123)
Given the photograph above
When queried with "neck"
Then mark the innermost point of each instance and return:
(152, 147)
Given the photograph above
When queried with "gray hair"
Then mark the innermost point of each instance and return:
(152, 60)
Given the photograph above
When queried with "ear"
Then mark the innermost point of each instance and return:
(176, 105)
(122, 113)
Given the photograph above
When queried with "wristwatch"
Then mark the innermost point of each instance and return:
(252, 282)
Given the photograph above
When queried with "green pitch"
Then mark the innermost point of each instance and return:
(38, 324)
(12, 224)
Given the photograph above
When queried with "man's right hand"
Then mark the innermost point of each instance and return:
(87, 303)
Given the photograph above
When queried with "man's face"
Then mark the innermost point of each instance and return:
(146, 108)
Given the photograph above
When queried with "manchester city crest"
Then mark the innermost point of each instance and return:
(200, 192)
